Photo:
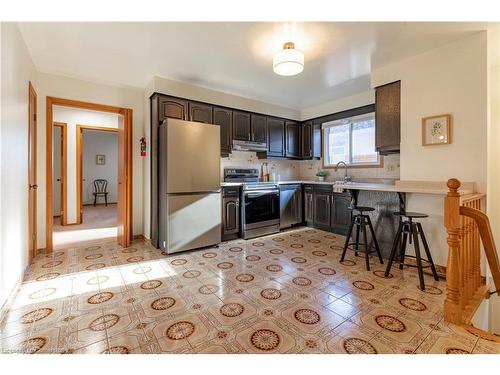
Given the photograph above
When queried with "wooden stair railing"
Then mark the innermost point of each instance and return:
(467, 227)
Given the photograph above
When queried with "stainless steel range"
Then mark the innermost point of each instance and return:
(260, 208)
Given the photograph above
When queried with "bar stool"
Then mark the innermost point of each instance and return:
(408, 230)
(361, 221)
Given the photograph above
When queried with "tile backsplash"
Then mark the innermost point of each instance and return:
(306, 169)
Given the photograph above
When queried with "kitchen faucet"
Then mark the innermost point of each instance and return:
(347, 178)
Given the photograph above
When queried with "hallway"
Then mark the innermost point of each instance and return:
(99, 223)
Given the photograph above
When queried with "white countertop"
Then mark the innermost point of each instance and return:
(420, 187)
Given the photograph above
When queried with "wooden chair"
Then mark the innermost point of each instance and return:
(100, 190)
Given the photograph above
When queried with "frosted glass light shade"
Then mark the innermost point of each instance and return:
(288, 61)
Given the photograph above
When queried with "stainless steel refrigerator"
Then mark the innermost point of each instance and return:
(189, 185)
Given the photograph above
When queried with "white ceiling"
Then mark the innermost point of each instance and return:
(234, 57)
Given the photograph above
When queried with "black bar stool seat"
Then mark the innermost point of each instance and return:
(361, 221)
(408, 230)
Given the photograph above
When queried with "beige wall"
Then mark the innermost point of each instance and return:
(338, 105)
(450, 79)
(493, 183)
(69, 88)
(17, 70)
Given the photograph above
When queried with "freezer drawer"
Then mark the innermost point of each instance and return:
(192, 221)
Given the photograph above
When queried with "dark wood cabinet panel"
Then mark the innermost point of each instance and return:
(276, 137)
(200, 112)
(341, 214)
(316, 140)
(259, 128)
(308, 204)
(307, 140)
(224, 118)
(173, 108)
(241, 126)
(321, 210)
(292, 144)
(388, 118)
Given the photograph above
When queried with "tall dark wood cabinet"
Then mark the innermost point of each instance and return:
(224, 118)
(388, 118)
(200, 112)
(276, 137)
(292, 143)
(173, 108)
(241, 126)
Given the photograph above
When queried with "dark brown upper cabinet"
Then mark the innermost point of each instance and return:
(388, 118)
(200, 112)
(258, 125)
(276, 136)
(307, 145)
(292, 140)
(224, 118)
(316, 139)
(241, 126)
(173, 108)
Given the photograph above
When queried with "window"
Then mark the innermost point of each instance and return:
(351, 140)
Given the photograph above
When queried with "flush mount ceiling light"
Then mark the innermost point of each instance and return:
(288, 61)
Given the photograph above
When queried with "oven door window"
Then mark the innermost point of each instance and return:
(261, 206)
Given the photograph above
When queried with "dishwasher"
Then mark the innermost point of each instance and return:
(290, 205)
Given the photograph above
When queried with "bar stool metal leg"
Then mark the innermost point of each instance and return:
(356, 245)
(402, 250)
(427, 252)
(349, 234)
(374, 238)
(395, 244)
(365, 240)
(417, 254)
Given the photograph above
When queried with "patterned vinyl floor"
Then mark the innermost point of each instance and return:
(285, 293)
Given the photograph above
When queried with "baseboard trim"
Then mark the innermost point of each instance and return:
(8, 302)
(138, 237)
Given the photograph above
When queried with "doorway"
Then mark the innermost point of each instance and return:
(96, 174)
(74, 209)
(60, 183)
(32, 178)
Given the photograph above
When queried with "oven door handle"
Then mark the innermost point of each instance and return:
(254, 194)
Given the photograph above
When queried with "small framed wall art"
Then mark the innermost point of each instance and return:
(100, 159)
(436, 130)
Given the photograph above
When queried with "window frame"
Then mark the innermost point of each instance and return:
(344, 121)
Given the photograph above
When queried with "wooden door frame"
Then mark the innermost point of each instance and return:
(127, 114)
(32, 237)
(79, 164)
(64, 171)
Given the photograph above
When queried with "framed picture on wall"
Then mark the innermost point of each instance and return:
(100, 159)
(436, 130)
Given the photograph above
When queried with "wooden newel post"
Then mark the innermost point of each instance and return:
(453, 304)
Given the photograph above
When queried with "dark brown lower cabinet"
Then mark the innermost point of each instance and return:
(326, 210)
(308, 205)
(322, 206)
(340, 213)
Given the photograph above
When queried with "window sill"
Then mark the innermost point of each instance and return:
(380, 164)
